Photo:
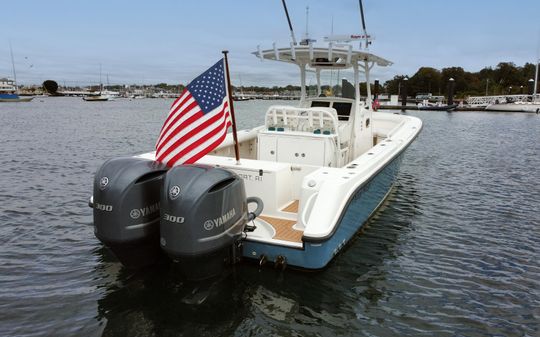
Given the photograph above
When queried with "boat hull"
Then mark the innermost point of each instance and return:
(439, 108)
(96, 99)
(514, 107)
(316, 255)
(14, 98)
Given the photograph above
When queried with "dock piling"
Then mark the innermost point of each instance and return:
(530, 88)
(451, 85)
(404, 94)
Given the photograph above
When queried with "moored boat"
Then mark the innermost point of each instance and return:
(102, 95)
(241, 98)
(8, 92)
(520, 106)
(292, 192)
(96, 98)
(439, 106)
(320, 169)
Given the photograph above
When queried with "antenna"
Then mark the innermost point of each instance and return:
(363, 23)
(289, 21)
(307, 22)
(536, 78)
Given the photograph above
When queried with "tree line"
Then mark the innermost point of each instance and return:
(506, 78)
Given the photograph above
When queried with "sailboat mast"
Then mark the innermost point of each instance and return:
(536, 77)
(100, 81)
(13, 66)
(241, 86)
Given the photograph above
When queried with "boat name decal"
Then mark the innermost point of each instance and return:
(218, 222)
(250, 177)
(138, 212)
(173, 218)
(103, 207)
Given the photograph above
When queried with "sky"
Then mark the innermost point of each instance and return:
(136, 42)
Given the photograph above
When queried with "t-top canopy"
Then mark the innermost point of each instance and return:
(325, 58)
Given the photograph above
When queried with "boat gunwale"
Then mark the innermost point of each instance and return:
(321, 239)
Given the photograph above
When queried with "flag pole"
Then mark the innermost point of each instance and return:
(229, 90)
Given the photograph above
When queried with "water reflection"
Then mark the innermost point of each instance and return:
(157, 299)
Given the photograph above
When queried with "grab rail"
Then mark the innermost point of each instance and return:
(485, 100)
(290, 116)
(307, 207)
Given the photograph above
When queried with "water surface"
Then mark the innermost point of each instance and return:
(453, 252)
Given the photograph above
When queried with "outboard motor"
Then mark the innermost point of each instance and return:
(203, 215)
(126, 209)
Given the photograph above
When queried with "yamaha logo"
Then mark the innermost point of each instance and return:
(221, 221)
(174, 192)
(208, 225)
(135, 213)
(103, 182)
(144, 211)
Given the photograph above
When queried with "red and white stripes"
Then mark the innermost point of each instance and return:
(188, 134)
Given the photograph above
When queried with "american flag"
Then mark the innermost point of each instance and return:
(198, 119)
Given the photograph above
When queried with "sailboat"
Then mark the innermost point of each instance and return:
(102, 95)
(9, 91)
(98, 97)
(241, 97)
(532, 104)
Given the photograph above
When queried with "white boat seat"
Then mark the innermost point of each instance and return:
(344, 130)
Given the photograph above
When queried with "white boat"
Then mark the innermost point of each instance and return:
(321, 169)
(103, 94)
(519, 106)
(96, 98)
(8, 92)
(241, 97)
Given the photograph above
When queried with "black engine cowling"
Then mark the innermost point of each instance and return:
(203, 214)
(126, 209)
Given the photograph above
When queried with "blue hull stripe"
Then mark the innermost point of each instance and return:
(9, 96)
